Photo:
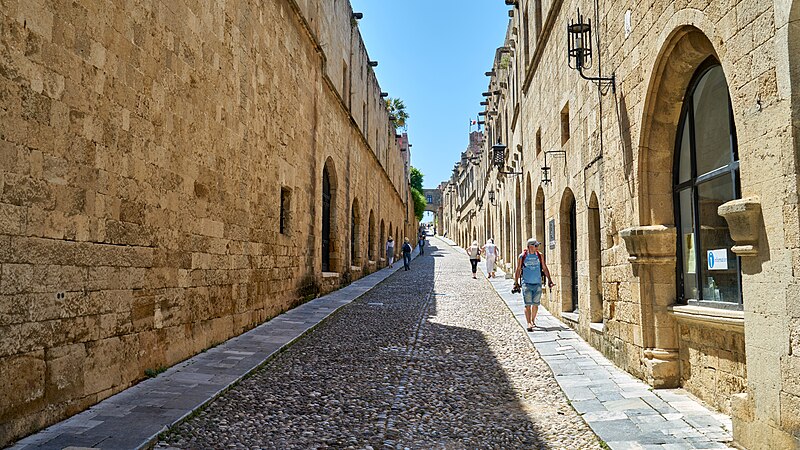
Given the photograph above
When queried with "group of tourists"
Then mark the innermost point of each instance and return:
(406, 253)
(531, 272)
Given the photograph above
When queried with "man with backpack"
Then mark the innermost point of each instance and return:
(532, 269)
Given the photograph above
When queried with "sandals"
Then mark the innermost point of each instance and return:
(530, 328)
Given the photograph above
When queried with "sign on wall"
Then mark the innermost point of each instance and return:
(718, 259)
(551, 228)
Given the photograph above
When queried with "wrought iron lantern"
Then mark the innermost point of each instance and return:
(579, 52)
(491, 196)
(499, 154)
(546, 175)
(579, 41)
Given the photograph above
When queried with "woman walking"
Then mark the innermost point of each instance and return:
(491, 252)
(474, 253)
(390, 251)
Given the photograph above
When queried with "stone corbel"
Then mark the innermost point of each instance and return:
(744, 218)
(651, 244)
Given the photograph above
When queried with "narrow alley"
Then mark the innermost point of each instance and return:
(430, 358)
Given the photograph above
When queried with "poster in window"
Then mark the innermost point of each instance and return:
(691, 258)
(551, 228)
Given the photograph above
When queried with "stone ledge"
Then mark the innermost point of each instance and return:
(743, 216)
(719, 318)
(599, 327)
(571, 316)
(330, 275)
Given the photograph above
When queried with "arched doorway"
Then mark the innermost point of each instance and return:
(518, 239)
(595, 264)
(355, 235)
(507, 241)
(371, 237)
(382, 241)
(539, 220)
(569, 253)
(328, 213)
(528, 210)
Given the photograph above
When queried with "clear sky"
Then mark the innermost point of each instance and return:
(433, 55)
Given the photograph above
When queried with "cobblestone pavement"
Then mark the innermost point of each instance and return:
(429, 358)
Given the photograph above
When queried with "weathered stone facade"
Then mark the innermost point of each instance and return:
(161, 183)
(606, 208)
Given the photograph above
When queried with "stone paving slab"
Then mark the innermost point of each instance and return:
(133, 418)
(623, 411)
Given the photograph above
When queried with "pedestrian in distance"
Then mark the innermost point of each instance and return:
(532, 269)
(474, 253)
(422, 243)
(390, 251)
(491, 251)
(407, 254)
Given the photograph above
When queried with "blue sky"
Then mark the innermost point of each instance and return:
(433, 55)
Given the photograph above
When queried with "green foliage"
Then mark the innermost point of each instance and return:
(397, 109)
(419, 203)
(152, 373)
(416, 179)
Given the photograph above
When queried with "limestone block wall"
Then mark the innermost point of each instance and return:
(145, 148)
(746, 366)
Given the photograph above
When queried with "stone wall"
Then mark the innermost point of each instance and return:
(144, 151)
(742, 362)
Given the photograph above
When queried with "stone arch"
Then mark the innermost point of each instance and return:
(539, 220)
(528, 209)
(518, 239)
(567, 254)
(382, 241)
(683, 52)
(355, 234)
(507, 241)
(329, 250)
(371, 241)
(595, 264)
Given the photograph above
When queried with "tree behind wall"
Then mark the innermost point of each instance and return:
(415, 180)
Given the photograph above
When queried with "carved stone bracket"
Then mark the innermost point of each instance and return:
(744, 218)
(651, 244)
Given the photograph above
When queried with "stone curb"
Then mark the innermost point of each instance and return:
(135, 417)
(622, 410)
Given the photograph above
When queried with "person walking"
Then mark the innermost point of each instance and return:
(491, 251)
(406, 255)
(422, 243)
(532, 268)
(474, 253)
(390, 251)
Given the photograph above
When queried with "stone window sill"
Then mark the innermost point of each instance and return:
(600, 327)
(713, 317)
(571, 316)
(330, 274)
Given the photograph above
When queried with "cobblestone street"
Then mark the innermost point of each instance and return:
(430, 358)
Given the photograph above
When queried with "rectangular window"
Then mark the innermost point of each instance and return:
(430, 199)
(565, 124)
(286, 196)
(345, 84)
(538, 141)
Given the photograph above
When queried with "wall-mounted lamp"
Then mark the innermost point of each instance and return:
(358, 15)
(491, 197)
(499, 159)
(373, 63)
(579, 52)
(546, 169)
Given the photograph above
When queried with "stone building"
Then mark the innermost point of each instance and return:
(667, 201)
(173, 174)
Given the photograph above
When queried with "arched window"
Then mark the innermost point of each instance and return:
(706, 175)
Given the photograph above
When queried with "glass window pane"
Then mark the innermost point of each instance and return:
(720, 267)
(688, 244)
(685, 161)
(712, 122)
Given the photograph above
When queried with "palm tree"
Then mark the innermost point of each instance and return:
(397, 113)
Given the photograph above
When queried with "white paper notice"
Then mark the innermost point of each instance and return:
(718, 259)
